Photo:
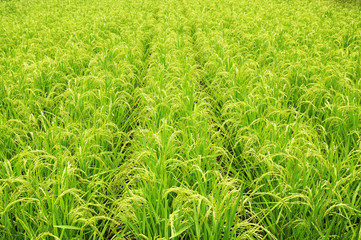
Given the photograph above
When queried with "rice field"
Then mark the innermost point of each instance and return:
(180, 119)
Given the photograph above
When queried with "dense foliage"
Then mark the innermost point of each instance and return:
(152, 119)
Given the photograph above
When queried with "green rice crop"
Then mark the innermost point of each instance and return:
(148, 119)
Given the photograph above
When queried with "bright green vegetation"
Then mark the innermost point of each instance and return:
(147, 119)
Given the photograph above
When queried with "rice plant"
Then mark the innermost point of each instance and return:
(181, 119)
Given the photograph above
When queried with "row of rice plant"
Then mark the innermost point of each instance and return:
(67, 105)
(291, 113)
(174, 185)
